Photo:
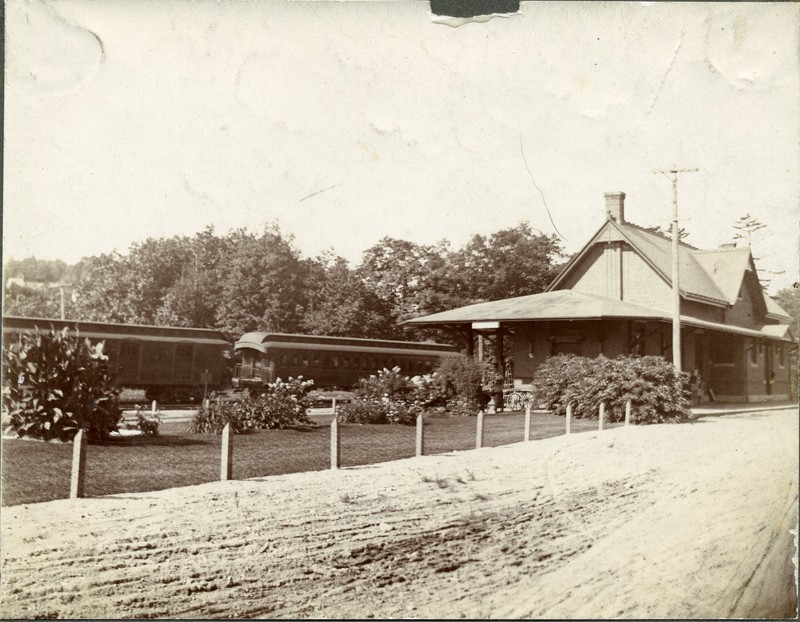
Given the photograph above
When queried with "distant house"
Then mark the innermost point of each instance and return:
(614, 297)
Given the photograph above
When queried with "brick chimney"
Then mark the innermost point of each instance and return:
(615, 206)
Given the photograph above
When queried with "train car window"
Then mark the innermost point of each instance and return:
(373, 364)
(305, 361)
(363, 364)
(128, 360)
(346, 362)
(315, 360)
(335, 361)
(183, 362)
(284, 359)
(295, 360)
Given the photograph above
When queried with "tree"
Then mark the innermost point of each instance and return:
(262, 287)
(666, 232)
(511, 262)
(398, 273)
(30, 302)
(339, 303)
(107, 291)
(32, 269)
(192, 299)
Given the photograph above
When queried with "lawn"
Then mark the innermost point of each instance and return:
(35, 471)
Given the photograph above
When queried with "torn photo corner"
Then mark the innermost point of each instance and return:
(456, 13)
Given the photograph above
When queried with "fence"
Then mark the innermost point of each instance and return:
(77, 483)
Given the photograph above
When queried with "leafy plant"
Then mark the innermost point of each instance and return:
(658, 393)
(147, 425)
(282, 405)
(55, 384)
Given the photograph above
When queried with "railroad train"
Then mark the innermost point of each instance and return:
(182, 364)
(169, 363)
(263, 357)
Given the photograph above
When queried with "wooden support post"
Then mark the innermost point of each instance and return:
(479, 433)
(628, 412)
(420, 436)
(335, 443)
(226, 462)
(76, 484)
(333, 405)
(154, 408)
(527, 423)
(602, 417)
(569, 418)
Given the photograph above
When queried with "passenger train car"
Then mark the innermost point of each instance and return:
(330, 361)
(168, 363)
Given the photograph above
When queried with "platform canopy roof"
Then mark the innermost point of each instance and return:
(568, 304)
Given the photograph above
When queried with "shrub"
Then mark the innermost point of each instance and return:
(462, 378)
(388, 397)
(55, 384)
(148, 426)
(283, 404)
(657, 392)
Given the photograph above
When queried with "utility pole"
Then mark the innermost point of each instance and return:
(676, 290)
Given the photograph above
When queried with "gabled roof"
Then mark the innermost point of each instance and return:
(775, 311)
(727, 267)
(656, 251)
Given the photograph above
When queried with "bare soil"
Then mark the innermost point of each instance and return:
(680, 521)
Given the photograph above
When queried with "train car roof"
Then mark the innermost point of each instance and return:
(262, 340)
(96, 330)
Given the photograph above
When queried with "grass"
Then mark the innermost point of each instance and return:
(35, 471)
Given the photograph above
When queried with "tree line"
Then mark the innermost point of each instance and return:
(243, 281)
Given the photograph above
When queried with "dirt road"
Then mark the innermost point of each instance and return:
(683, 521)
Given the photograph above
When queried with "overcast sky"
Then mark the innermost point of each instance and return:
(349, 121)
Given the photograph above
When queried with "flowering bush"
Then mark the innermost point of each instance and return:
(387, 397)
(390, 397)
(657, 392)
(55, 384)
(283, 404)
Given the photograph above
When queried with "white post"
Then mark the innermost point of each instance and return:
(420, 436)
(335, 443)
(76, 484)
(628, 412)
(154, 408)
(602, 415)
(527, 423)
(569, 418)
(333, 406)
(226, 463)
(479, 433)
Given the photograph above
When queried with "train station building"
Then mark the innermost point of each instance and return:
(614, 297)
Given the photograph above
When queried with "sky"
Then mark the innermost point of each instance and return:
(345, 122)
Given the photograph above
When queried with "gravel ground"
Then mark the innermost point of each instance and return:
(681, 521)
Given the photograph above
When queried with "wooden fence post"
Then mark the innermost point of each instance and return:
(602, 417)
(479, 433)
(76, 483)
(420, 435)
(628, 412)
(335, 446)
(226, 463)
(527, 423)
(569, 418)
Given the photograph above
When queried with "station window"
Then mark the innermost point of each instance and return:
(754, 354)
(781, 355)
